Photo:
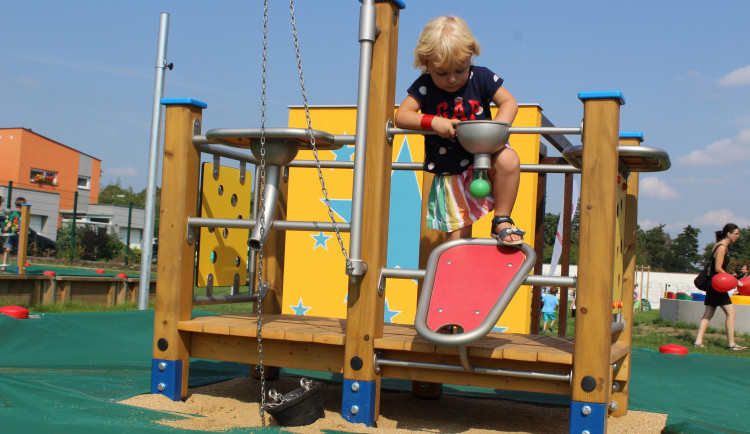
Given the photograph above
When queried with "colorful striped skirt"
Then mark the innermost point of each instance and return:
(450, 207)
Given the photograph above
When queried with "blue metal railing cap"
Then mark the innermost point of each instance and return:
(631, 135)
(183, 101)
(400, 3)
(602, 94)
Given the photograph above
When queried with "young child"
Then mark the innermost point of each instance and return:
(11, 228)
(549, 308)
(450, 90)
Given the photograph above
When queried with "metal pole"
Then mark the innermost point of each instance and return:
(153, 163)
(367, 35)
(127, 237)
(73, 227)
(10, 192)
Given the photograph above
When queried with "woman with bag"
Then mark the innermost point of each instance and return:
(729, 234)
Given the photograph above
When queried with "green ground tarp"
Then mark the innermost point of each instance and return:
(66, 271)
(63, 373)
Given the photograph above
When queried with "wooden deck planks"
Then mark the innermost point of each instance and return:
(398, 337)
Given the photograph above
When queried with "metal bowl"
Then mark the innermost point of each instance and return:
(482, 137)
(282, 144)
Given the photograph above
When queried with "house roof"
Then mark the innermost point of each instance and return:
(54, 141)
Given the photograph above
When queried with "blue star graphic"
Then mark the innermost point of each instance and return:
(321, 240)
(406, 208)
(344, 153)
(388, 314)
(300, 308)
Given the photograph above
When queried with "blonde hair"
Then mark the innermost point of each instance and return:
(445, 41)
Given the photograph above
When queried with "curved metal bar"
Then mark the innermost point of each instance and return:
(562, 281)
(420, 320)
(479, 370)
(463, 355)
(618, 326)
(403, 273)
(633, 157)
(247, 136)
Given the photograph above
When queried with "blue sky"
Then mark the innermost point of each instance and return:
(82, 73)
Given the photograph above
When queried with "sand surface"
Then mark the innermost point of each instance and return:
(234, 403)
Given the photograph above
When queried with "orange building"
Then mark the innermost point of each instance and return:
(47, 174)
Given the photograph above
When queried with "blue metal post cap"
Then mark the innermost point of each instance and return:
(400, 3)
(602, 94)
(183, 101)
(631, 135)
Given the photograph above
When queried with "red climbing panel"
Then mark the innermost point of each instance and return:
(469, 279)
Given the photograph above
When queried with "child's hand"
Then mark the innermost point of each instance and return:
(444, 126)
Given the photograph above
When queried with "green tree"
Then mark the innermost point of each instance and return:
(654, 249)
(682, 252)
(115, 194)
(739, 251)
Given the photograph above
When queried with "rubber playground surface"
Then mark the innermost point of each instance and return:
(64, 373)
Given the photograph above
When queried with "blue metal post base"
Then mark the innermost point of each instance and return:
(166, 378)
(587, 417)
(358, 402)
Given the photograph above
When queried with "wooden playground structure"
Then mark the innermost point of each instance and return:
(593, 368)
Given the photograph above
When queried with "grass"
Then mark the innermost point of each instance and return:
(651, 332)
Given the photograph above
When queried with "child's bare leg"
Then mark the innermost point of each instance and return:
(460, 233)
(506, 177)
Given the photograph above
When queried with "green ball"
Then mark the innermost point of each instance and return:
(479, 188)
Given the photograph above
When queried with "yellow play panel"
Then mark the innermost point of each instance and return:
(222, 252)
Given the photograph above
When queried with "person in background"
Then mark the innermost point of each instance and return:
(10, 230)
(739, 274)
(549, 308)
(726, 236)
(573, 305)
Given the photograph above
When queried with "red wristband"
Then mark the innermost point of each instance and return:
(426, 122)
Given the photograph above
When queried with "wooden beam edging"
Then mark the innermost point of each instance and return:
(27, 288)
(622, 373)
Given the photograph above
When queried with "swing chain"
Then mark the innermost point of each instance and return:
(261, 186)
(312, 138)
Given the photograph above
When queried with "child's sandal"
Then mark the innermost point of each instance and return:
(504, 233)
(736, 347)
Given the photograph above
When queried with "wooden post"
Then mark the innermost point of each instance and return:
(174, 288)
(592, 378)
(428, 240)
(365, 305)
(536, 291)
(23, 238)
(622, 374)
(567, 215)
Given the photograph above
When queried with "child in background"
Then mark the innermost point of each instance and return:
(10, 228)
(549, 308)
(450, 90)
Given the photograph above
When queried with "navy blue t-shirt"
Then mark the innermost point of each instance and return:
(471, 102)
